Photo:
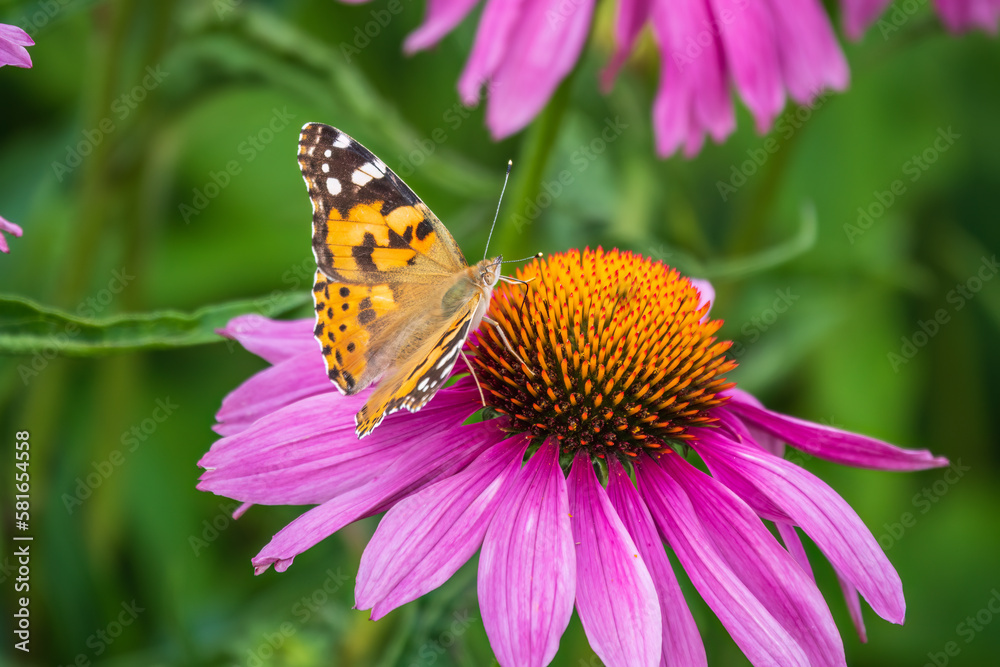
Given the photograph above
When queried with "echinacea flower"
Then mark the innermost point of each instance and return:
(9, 227)
(570, 491)
(765, 49)
(12, 43)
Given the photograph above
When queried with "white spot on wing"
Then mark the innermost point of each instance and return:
(343, 141)
(326, 168)
(374, 169)
(328, 152)
(446, 359)
(360, 177)
(333, 185)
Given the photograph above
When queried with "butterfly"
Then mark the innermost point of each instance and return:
(395, 299)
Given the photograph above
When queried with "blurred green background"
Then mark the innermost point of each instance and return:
(197, 93)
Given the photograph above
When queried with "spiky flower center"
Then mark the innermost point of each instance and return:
(618, 355)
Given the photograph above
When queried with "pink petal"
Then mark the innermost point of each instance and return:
(273, 388)
(693, 97)
(960, 15)
(832, 444)
(541, 51)
(527, 567)
(793, 544)
(758, 634)
(826, 517)
(750, 43)
(632, 15)
(426, 537)
(441, 18)
(859, 14)
(6, 226)
(308, 452)
(12, 51)
(682, 643)
(706, 294)
(272, 340)
(491, 46)
(853, 606)
(615, 595)
(811, 59)
(764, 567)
(433, 456)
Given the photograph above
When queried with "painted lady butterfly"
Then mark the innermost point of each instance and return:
(395, 298)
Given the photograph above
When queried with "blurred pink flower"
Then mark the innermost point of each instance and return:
(765, 49)
(957, 15)
(617, 384)
(12, 43)
(9, 227)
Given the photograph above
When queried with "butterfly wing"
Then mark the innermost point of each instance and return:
(385, 262)
(411, 386)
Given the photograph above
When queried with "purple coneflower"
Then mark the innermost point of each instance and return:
(765, 49)
(570, 493)
(12, 43)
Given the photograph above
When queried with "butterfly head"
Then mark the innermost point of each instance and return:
(488, 271)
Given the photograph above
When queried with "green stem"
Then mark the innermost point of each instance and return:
(516, 234)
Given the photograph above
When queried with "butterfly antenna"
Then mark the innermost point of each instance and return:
(510, 163)
(537, 255)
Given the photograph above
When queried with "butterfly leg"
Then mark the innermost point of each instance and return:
(473, 371)
(503, 336)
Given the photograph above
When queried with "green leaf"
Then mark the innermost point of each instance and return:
(28, 328)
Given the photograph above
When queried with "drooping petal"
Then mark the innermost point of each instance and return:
(793, 544)
(440, 18)
(706, 292)
(826, 517)
(853, 601)
(830, 443)
(527, 567)
(682, 643)
(11, 228)
(749, 41)
(859, 14)
(632, 15)
(541, 51)
(693, 97)
(764, 567)
(432, 456)
(272, 389)
(615, 595)
(758, 634)
(426, 537)
(271, 340)
(12, 51)
(492, 38)
(308, 452)
(811, 59)
(961, 15)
